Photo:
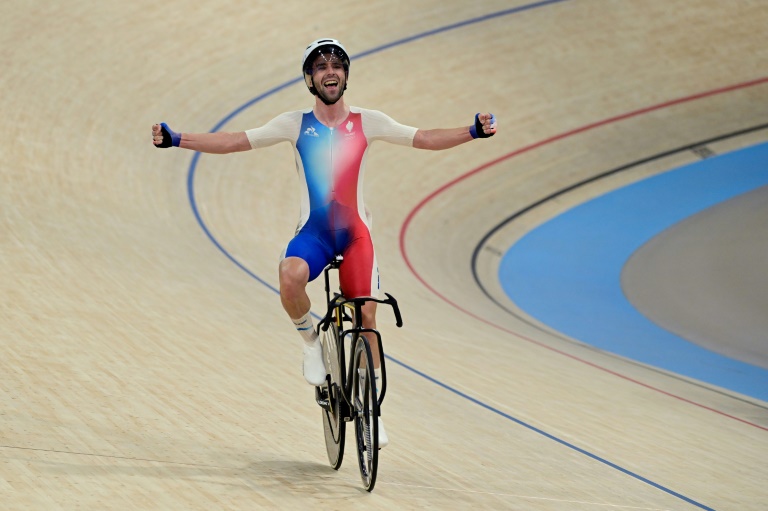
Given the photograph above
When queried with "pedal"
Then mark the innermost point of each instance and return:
(321, 397)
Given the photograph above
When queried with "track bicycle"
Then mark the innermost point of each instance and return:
(350, 392)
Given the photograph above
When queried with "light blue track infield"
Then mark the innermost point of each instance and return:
(566, 273)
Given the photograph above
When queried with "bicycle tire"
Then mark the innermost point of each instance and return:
(365, 412)
(334, 426)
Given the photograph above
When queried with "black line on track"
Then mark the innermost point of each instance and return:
(481, 246)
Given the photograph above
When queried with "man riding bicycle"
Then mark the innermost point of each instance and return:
(330, 142)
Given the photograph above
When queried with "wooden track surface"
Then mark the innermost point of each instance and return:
(142, 368)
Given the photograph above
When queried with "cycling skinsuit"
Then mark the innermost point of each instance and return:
(331, 164)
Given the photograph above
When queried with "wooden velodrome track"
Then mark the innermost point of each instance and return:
(142, 366)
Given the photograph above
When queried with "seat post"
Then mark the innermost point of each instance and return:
(333, 265)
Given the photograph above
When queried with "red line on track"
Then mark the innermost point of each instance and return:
(531, 147)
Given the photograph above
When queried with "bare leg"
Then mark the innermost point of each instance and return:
(294, 276)
(369, 321)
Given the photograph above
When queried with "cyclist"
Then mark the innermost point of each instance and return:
(330, 142)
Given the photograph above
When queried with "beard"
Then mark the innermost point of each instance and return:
(330, 99)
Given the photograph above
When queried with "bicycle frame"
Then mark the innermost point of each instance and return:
(351, 393)
(336, 305)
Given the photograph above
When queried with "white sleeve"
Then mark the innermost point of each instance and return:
(284, 127)
(379, 126)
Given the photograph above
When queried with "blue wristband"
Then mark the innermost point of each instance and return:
(477, 130)
(168, 132)
(473, 128)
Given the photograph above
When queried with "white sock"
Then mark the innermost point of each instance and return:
(305, 327)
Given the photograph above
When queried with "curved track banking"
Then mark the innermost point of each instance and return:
(569, 270)
(533, 147)
(423, 202)
(141, 369)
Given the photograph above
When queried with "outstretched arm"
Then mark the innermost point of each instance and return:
(485, 126)
(218, 143)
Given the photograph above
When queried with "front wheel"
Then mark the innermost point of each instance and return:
(365, 412)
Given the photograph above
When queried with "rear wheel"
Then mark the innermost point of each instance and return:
(365, 412)
(334, 427)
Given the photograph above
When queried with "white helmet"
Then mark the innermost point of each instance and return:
(324, 45)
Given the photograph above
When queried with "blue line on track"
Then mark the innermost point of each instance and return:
(236, 112)
(548, 435)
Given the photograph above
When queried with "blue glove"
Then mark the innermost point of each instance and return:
(170, 137)
(477, 130)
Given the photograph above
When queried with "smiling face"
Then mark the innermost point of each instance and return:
(329, 77)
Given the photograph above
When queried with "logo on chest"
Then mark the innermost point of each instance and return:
(350, 126)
